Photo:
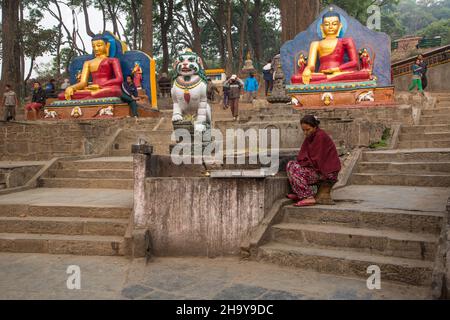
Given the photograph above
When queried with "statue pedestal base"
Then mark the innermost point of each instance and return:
(91, 109)
(196, 144)
(336, 95)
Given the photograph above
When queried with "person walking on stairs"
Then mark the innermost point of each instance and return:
(235, 84)
(251, 87)
(317, 162)
(417, 77)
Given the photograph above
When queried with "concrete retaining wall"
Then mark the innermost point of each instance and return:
(204, 216)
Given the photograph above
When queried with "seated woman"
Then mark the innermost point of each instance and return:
(318, 161)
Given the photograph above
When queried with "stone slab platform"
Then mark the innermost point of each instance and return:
(70, 197)
(366, 197)
(42, 276)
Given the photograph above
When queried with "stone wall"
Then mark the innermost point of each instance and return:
(349, 127)
(437, 79)
(12, 177)
(43, 141)
(206, 217)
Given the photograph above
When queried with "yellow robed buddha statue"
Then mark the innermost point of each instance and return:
(105, 72)
(330, 52)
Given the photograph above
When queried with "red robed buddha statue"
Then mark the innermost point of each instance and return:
(331, 52)
(106, 75)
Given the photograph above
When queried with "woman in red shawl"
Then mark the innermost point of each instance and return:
(317, 161)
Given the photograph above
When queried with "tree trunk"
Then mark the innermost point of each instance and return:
(136, 23)
(297, 16)
(147, 26)
(243, 35)
(220, 25)
(86, 20)
(113, 15)
(194, 12)
(11, 47)
(166, 19)
(256, 29)
(22, 55)
(229, 65)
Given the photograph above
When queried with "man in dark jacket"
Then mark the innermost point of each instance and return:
(235, 84)
(37, 100)
(268, 77)
(130, 95)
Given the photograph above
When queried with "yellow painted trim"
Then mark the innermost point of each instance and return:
(154, 97)
(214, 71)
(153, 83)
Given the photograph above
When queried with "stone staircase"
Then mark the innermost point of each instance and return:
(83, 208)
(347, 238)
(346, 241)
(423, 157)
(408, 167)
(63, 230)
(102, 173)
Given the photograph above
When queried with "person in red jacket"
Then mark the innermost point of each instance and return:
(318, 161)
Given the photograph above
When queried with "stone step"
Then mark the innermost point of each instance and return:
(64, 225)
(145, 134)
(434, 136)
(52, 210)
(405, 179)
(398, 220)
(371, 241)
(162, 149)
(435, 119)
(62, 244)
(426, 129)
(436, 111)
(87, 183)
(347, 262)
(92, 173)
(76, 165)
(404, 167)
(412, 155)
(414, 144)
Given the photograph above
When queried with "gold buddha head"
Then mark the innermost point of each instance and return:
(100, 47)
(331, 24)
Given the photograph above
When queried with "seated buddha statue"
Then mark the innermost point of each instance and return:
(331, 52)
(105, 72)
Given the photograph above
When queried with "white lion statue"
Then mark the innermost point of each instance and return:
(189, 91)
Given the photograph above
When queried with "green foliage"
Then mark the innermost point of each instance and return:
(437, 28)
(383, 143)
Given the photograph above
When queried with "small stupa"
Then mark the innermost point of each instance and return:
(248, 66)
